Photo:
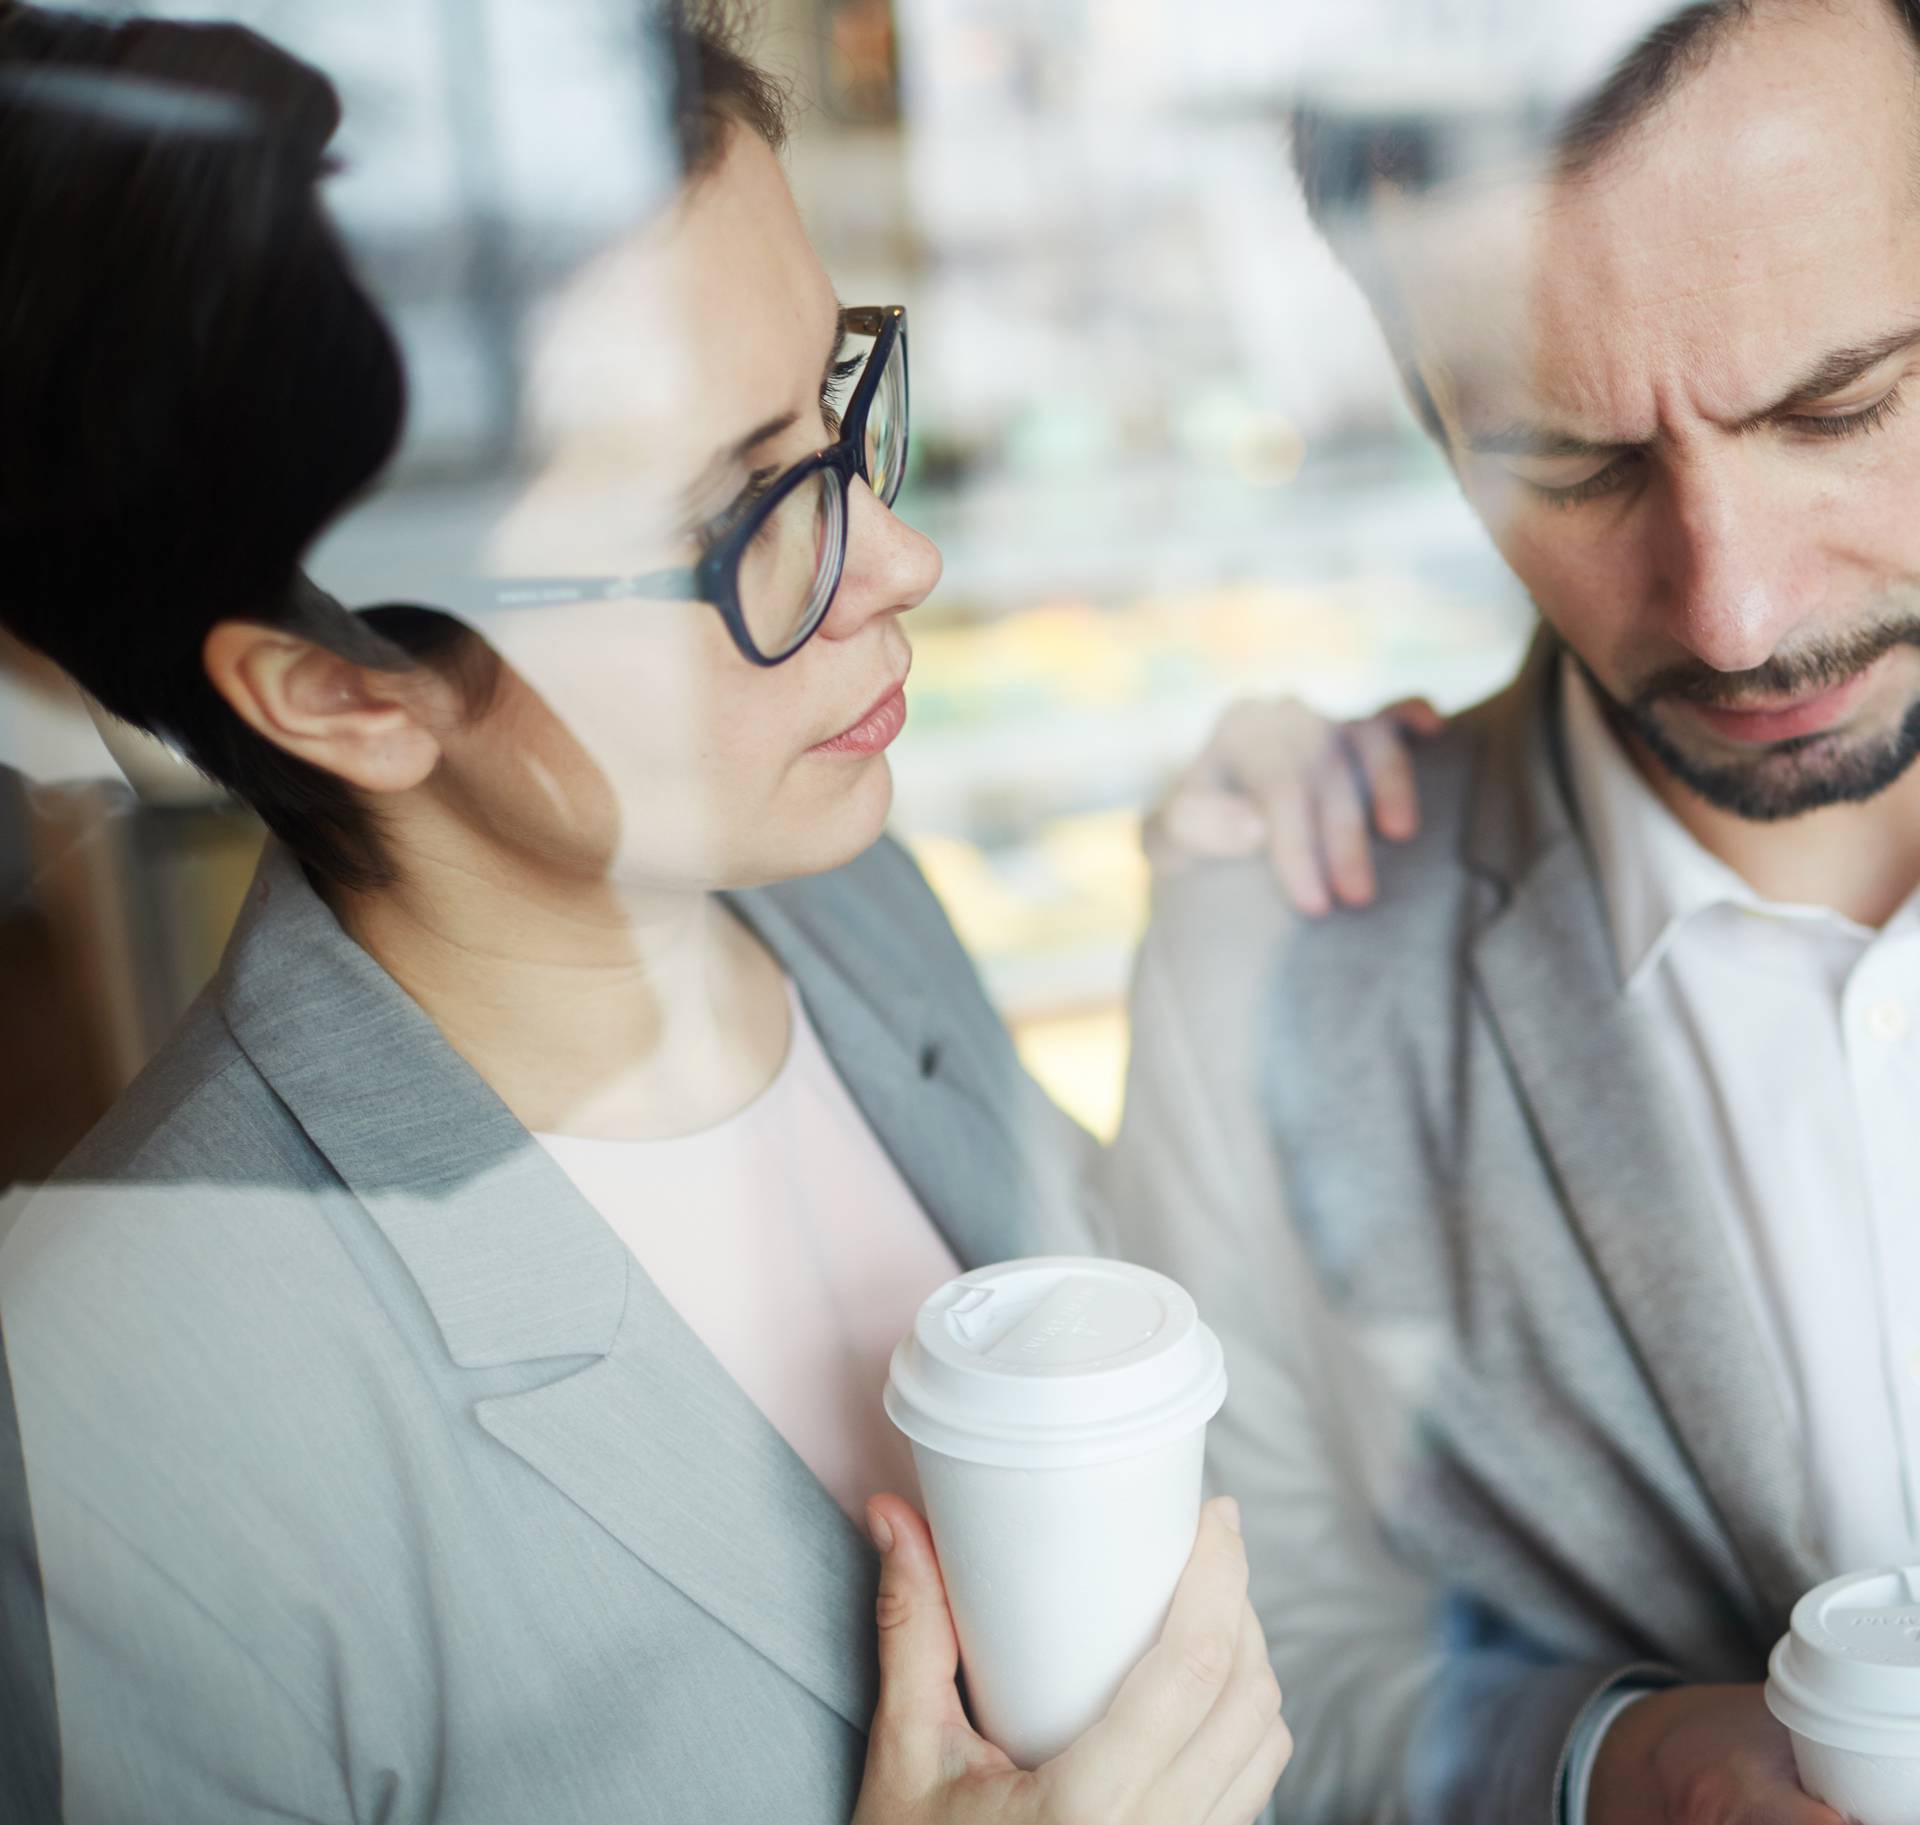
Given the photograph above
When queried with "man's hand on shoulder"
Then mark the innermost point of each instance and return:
(1700, 1755)
(1278, 777)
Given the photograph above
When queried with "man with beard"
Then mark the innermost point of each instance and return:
(1561, 1209)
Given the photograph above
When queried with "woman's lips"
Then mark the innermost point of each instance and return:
(1789, 718)
(875, 731)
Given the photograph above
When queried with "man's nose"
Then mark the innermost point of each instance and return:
(1733, 564)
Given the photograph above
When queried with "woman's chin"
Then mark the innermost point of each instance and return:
(841, 831)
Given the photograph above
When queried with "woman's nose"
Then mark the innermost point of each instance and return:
(890, 567)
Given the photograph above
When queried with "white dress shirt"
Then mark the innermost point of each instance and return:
(1791, 1036)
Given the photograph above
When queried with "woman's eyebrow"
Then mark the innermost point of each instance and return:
(724, 462)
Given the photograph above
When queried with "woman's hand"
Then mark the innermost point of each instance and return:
(1279, 777)
(1194, 1738)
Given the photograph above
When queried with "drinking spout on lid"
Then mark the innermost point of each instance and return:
(969, 1312)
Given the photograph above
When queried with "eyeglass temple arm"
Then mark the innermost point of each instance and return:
(680, 585)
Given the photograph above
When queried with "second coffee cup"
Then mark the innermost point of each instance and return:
(1057, 1409)
(1845, 1680)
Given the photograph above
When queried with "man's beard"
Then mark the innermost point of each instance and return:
(1786, 778)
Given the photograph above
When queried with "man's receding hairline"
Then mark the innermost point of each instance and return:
(1646, 79)
(1599, 127)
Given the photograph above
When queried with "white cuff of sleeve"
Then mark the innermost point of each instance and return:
(1600, 1717)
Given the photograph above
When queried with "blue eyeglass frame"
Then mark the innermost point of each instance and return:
(716, 577)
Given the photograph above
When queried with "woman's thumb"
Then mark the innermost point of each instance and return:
(919, 1652)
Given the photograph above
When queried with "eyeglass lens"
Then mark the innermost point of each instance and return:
(887, 427)
(788, 570)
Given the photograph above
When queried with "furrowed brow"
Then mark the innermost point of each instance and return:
(1519, 439)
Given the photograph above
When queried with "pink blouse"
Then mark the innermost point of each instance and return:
(788, 1241)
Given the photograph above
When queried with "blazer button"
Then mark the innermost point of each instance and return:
(929, 1059)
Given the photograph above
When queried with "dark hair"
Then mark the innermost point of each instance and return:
(193, 383)
(1342, 154)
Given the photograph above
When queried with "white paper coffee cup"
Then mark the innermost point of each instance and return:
(1845, 1680)
(1057, 1409)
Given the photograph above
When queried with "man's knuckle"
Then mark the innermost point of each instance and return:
(892, 1611)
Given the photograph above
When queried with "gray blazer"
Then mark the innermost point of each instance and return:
(373, 1479)
(1502, 1423)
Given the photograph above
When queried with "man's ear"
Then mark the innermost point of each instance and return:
(373, 729)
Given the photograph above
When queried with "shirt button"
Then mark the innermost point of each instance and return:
(1887, 1020)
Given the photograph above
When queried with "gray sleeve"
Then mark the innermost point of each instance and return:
(162, 1706)
(163, 1715)
(1398, 1720)
(29, 1739)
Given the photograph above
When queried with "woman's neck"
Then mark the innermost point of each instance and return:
(588, 1011)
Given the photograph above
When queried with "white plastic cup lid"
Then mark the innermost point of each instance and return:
(1847, 1672)
(1053, 1363)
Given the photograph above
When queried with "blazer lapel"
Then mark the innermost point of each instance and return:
(662, 1448)
(649, 1435)
(1590, 1077)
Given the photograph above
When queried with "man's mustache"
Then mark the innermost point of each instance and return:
(1799, 673)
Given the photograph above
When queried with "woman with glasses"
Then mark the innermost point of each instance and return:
(446, 1386)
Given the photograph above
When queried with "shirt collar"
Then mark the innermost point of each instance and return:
(1654, 872)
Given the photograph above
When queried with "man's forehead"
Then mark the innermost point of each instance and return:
(1533, 310)
(1798, 143)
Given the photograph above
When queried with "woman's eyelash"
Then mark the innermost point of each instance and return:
(710, 532)
(837, 375)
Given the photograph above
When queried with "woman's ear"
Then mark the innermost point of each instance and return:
(373, 729)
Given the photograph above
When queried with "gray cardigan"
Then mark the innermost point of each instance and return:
(374, 1480)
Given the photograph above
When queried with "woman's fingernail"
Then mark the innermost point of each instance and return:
(1230, 1512)
(882, 1533)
